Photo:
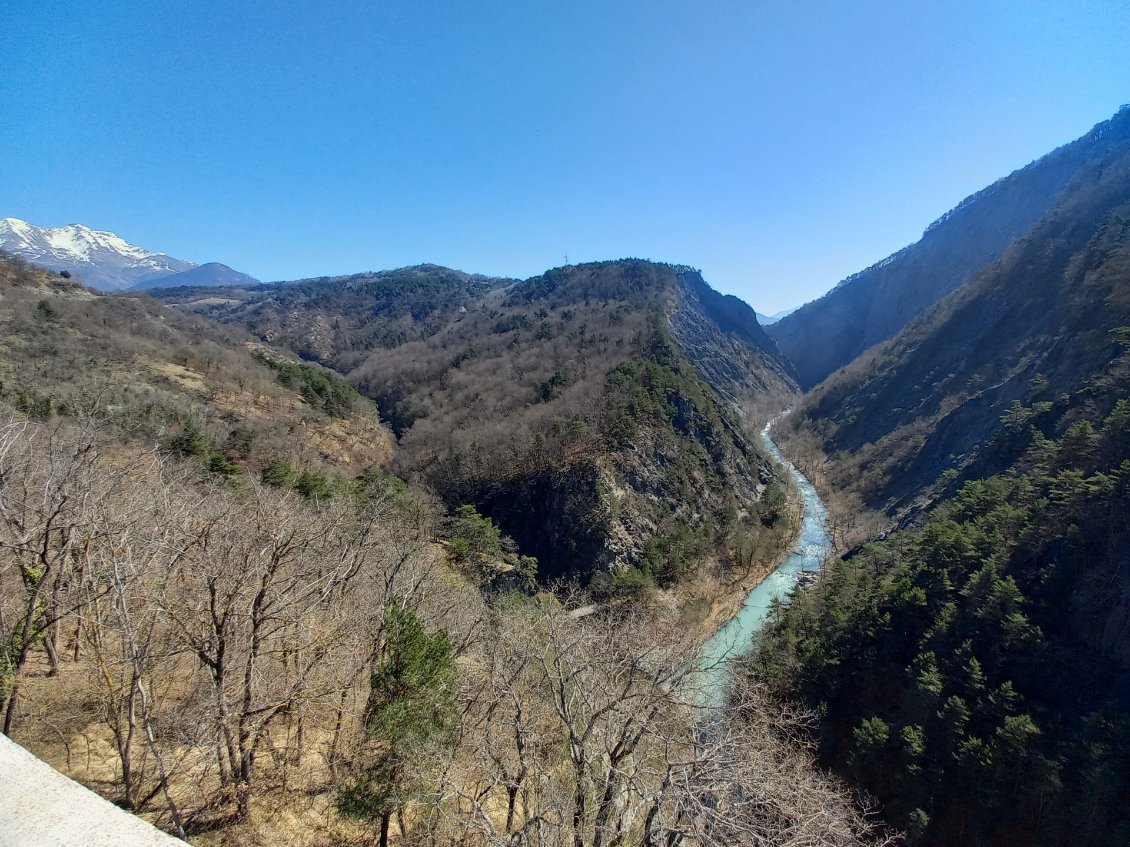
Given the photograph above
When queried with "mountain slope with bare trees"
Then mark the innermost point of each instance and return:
(217, 659)
(144, 370)
(590, 411)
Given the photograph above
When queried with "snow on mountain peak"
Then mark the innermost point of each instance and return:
(15, 225)
(102, 259)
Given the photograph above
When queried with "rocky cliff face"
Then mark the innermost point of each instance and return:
(722, 338)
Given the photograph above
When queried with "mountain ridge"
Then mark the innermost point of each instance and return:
(100, 258)
(971, 663)
(207, 275)
(874, 304)
(1031, 327)
(590, 410)
(105, 261)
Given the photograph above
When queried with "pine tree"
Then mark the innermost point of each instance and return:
(410, 715)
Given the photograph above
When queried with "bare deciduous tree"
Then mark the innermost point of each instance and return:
(585, 732)
(231, 633)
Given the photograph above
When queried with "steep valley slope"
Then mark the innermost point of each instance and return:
(590, 411)
(1038, 327)
(200, 541)
(972, 666)
(874, 304)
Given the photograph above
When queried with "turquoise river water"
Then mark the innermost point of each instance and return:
(810, 548)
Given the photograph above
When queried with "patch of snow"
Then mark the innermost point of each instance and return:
(70, 239)
(17, 226)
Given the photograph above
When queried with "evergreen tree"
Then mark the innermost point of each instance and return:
(411, 715)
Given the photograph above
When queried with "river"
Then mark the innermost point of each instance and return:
(811, 546)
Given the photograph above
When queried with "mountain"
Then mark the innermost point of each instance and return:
(192, 519)
(202, 276)
(326, 318)
(765, 320)
(1039, 325)
(972, 667)
(590, 411)
(874, 304)
(973, 672)
(136, 368)
(99, 259)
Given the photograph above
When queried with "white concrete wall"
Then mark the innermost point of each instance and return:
(39, 807)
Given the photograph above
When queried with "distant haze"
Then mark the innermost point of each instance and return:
(766, 320)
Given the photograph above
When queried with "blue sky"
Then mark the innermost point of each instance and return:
(777, 146)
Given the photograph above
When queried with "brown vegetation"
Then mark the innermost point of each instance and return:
(588, 411)
(202, 653)
(143, 370)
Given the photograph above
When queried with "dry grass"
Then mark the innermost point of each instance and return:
(185, 377)
(60, 725)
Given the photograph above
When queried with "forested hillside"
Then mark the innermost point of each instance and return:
(381, 552)
(226, 580)
(590, 411)
(873, 305)
(972, 667)
(974, 674)
(336, 320)
(221, 612)
(143, 370)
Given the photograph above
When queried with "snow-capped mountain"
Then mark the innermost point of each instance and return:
(96, 258)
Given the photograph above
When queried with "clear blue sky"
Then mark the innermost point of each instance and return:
(777, 146)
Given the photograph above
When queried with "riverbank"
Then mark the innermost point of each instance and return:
(728, 601)
(707, 601)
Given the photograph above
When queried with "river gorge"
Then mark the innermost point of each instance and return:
(811, 546)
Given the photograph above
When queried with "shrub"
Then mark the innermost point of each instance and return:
(321, 389)
(191, 442)
(279, 474)
(632, 584)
